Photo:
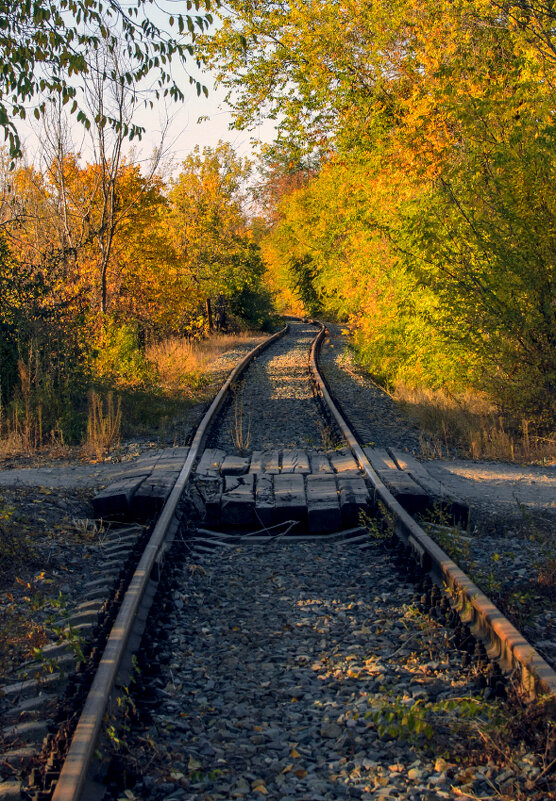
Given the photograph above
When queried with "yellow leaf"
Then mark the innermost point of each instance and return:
(193, 764)
(287, 768)
(294, 754)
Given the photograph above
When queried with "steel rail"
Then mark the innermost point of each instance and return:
(504, 641)
(74, 772)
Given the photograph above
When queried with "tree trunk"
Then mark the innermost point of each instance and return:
(209, 315)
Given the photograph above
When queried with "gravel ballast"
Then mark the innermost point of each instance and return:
(508, 548)
(293, 672)
(273, 406)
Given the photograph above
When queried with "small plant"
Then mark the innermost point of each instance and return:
(379, 533)
(327, 436)
(452, 539)
(405, 719)
(103, 424)
(241, 434)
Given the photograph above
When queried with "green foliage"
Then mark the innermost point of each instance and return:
(81, 316)
(45, 47)
(430, 226)
(209, 228)
(43, 364)
(405, 719)
(119, 355)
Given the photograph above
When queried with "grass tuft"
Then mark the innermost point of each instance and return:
(183, 364)
(103, 424)
(470, 425)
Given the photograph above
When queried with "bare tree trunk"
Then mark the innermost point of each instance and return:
(209, 315)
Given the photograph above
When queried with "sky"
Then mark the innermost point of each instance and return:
(199, 120)
(202, 121)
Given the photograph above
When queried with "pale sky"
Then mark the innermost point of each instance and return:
(197, 121)
(189, 126)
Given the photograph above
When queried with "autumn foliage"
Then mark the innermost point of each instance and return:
(98, 264)
(430, 226)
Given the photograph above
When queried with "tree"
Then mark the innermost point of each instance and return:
(445, 111)
(209, 225)
(45, 47)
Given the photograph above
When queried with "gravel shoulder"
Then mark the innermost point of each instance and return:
(509, 547)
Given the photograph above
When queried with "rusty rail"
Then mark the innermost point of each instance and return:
(504, 642)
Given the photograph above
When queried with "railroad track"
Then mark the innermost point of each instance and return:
(234, 509)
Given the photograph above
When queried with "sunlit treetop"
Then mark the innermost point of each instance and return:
(342, 74)
(46, 46)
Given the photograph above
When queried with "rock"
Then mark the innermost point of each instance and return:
(330, 731)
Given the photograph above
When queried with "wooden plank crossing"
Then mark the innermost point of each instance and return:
(301, 490)
(306, 490)
(408, 492)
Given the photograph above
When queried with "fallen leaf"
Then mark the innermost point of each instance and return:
(193, 764)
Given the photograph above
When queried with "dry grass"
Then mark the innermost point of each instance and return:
(241, 435)
(103, 424)
(184, 364)
(184, 373)
(469, 424)
(16, 440)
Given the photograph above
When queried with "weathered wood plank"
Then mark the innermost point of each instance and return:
(210, 462)
(151, 496)
(265, 506)
(265, 462)
(344, 463)
(290, 499)
(141, 467)
(256, 464)
(210, 490)
(171, 460)
(237, 504)
(380, 459)
(354, 498)
(323, 504)
(320, 463)
(295, 460)
(434, 488)
(410, 494)
(235, 465)
(272, 461)
(115, 499)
